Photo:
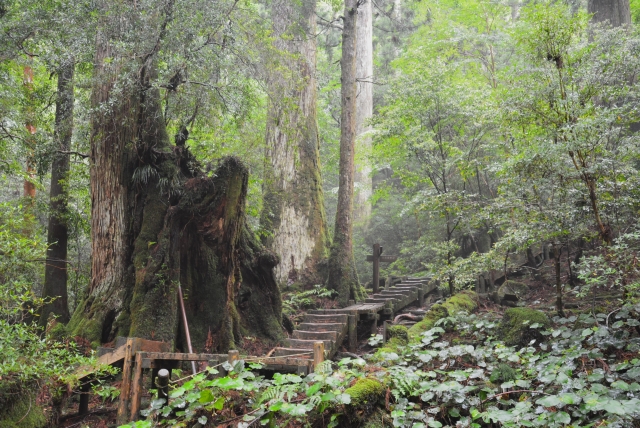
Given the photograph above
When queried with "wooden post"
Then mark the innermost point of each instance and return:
(185, 325)
(376, 267)
(374, 324)
(318, 354)
(353, 332)
(83, 407)
(163, 384)
(125, 389)
(136, 387)
(232, 357)
(420, 297)
(384, 331)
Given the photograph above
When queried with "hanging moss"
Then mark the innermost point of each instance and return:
(515, 327)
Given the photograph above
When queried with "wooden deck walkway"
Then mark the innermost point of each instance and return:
(318, 337)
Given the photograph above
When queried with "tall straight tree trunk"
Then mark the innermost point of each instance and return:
(55, 274)
(342, 272)
(293, 213)
(157, 220)
(29, 188)
(616, 12)
(364, 109)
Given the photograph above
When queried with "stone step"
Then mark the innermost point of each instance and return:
(284, 352)
(308, 344)
(324, 326)
(318, 318)
(315, 335)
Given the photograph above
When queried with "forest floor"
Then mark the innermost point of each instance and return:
(541, 295)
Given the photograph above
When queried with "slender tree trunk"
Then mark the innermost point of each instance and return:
(557, 252)
(616, 12)
(293, 213)
(342, 272)
(29, 188)
(364, 109)
(55, 274)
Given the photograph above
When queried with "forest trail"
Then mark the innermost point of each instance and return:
(331, 326)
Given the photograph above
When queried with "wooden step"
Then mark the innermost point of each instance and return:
(324, 326)
(373, 300)
(404, 288)
(308, 344)
(387, 297)
(283, 352)
(315, 335)
(394, 293)
(320, 318)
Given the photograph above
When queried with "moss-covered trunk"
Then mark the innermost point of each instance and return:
(159, 221)
(293, 215)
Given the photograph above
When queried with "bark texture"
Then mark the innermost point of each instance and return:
(55, 274)
(616, 12)
(364, 109)
(342, 272)
(159, 221)
(293, 215)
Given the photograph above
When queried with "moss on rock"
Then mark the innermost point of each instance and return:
(464, 301)
(398, 332)
(365, 394)
(515, 326)
(23, 412)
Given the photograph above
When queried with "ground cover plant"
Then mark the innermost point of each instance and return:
(583, 371)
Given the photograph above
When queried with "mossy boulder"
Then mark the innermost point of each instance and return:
(399, 332)
(398, 336)
(22, 412)
(365, 395)
(518, 289)
(464, 301)
(515, 328)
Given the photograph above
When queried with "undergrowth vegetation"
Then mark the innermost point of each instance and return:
(584, 372)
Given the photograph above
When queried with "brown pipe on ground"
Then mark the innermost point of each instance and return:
(186, 328)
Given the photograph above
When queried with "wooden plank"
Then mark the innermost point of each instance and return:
(113, 357)
(177, 356)
(136, 387)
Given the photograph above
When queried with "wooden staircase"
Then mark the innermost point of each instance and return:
(331, 326)
(330, 329)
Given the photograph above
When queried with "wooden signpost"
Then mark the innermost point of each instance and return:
(376, 258)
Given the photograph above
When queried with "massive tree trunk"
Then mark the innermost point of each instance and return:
(55, 274)
(342, 272)
(159, 222)
(293, 215)
(616, 12)
(364, 109)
